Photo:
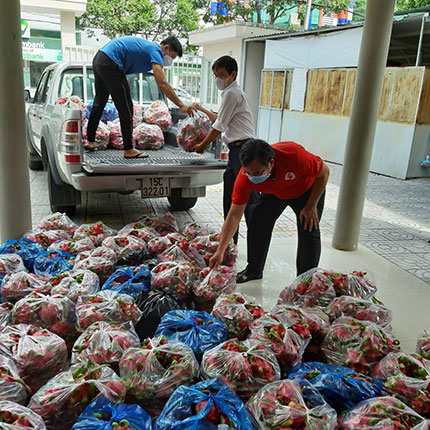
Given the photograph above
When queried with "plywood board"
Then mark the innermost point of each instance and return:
(351, 76)
(424, 106)
(316, 90)
(335, 92)
(278, 89)
(287, 95)
(266, 89)
(386, 94)
(406, 94)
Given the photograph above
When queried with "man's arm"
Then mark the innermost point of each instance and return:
(228, 230)
(309, 214)
(212, 135)
(167, 90)
(212, 116)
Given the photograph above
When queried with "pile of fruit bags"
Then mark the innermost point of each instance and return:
(193, 130)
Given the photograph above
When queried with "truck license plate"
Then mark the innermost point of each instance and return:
(155, 187)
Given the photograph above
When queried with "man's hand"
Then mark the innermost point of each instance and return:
(216, 260)
(309, 217)
(188, 109)
(200, 148)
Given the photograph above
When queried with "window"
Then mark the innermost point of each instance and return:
(40, 88)
(212, 92)
(150, 89)
(72, 84)
(47, 86)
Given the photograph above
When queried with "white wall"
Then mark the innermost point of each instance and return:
(420, 150)
(326, 136)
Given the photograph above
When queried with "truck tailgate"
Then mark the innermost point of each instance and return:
(167, 159)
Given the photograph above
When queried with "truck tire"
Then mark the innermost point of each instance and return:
(34, 162)
(62, 198)
(179, 203)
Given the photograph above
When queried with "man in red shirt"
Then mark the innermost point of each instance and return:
(284, 174)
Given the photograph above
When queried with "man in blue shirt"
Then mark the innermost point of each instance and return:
(118, 58)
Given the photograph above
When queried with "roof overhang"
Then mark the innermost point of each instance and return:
(54, 6)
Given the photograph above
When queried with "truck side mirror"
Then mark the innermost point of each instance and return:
(27, 96)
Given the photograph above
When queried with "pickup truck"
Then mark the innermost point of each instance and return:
(54, 139)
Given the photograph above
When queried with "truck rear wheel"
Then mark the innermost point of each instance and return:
(34, 162)
(62, 198)
(179, 203)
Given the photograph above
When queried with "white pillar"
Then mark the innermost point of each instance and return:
(68, 29)
(362, 125)
(15, 204)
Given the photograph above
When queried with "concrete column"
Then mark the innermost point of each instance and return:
(68, 29)
(362, 125)
(15, 204)
(307, 24)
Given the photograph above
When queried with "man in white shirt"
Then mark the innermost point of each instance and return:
(233, 122)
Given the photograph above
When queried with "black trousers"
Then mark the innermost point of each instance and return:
(265, 212)
(230, 175)
(111, 80)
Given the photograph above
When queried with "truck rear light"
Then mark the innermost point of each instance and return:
(71, 127)
(72, 158)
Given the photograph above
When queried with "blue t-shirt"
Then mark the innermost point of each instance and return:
(133, 54)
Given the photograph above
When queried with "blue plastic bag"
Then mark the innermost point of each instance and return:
(129, 280)
(109, 112)
(25, 248)
(102, 414)
(179, 412)
(340, 386)
(197, 329)
(53, 263)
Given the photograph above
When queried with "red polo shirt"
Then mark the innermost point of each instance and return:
(294, 173)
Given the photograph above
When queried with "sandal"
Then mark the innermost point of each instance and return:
(139, 155)
(245, 276)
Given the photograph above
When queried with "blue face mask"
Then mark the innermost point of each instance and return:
(258, 179)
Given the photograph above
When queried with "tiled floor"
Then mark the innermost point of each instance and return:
(394, 240)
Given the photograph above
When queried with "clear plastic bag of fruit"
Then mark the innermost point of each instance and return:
(14, 416)
(46, 238)
(104, 343)
(116, 139)
(382, 413)
(75, 284)
(152, 372)
(129, 280)
(58, 221)
(73, 247)
(158, 245)
(124, 245)
(60, 401)
(106, 306)
(204, 405)
(27, 249)
(12, 387)
(246, 365)
(19, 285)
(158, 113)
(55, 313)
(101, 261)
(5, 314)
(359, 345)
(162, 223)
(341, 387)
(193, 130)
(197, 329)
(178, 277)
(52, 263)
(11, 263)
(109, 111)
(148, 136)
(193, 229)
(360, 309)
(423, 344)
(37, 353)
(206, 246)
(311, 288)
(237, 311)
(407, 377)
(139, 230)
(353, 283)
(289, 405)
(102, 414)
(286, 344)
(97, 232)
(214, 282)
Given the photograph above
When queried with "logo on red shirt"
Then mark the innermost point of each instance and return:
(290, 176)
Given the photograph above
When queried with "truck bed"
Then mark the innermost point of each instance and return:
(167, 159)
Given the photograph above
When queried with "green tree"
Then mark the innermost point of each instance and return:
(411, 4)
(153, 20)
